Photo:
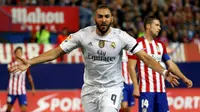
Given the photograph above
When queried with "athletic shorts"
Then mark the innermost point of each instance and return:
(21, 98)
(128, 94)
(96, 97)
(153, 102)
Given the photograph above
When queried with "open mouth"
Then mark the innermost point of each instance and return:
(103, 26)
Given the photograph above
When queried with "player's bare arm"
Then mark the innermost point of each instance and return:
(131, 68)
(176, 71)
(30, 79)
(32, 84)
(45, 57)
(150, 62)
(153, 64)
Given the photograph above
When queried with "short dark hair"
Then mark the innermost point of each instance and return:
(17, 49)
(104, 7)
(149, 20)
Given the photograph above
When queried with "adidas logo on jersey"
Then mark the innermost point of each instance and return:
(90, 44)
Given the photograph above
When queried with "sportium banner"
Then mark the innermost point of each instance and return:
(31, 18)
(48, 101)
(180, 100)
(184, 100)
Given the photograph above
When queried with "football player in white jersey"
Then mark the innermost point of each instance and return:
(16, 86)
(102, 48)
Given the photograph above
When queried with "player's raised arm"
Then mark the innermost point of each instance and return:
(71, 43)
(153, 64)
(150, 62)
(133, 47)
(46, 56)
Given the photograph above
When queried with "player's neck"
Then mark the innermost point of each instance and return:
(148, 36)
(100, 34)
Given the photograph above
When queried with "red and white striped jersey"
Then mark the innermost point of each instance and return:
(125, 72)
(17, 81)
(150, 81)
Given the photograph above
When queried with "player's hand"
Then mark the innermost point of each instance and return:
(188, 82)
(13, 68)
(23, 65)
(136, 91)
(172, 79)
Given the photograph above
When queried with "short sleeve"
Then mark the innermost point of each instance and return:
(164, 49)
(72, 42)
(130, 43)
(134, 57)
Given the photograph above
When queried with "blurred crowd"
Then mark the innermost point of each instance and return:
(180, 19)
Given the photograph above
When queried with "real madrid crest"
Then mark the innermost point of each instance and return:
(113, 45)
(101, 43)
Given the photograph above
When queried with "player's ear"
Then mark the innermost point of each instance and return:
(148, 26)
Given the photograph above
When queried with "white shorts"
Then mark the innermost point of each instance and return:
(94, 98)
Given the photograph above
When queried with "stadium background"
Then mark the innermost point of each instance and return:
(58, 83)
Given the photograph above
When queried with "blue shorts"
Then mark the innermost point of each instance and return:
(153, 102)
(21, 98)
(128, 94)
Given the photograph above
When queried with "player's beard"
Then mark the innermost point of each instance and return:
(101, 29)
(154, 34)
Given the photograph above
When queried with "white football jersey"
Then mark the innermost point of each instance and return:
(102, 54)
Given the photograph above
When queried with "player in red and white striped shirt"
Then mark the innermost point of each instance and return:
(152, 86)
(131, 87)
(125, 72)
(128, 98)
(16, 87)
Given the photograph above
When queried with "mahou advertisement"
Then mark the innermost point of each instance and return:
(31, 18)
(179, 100)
